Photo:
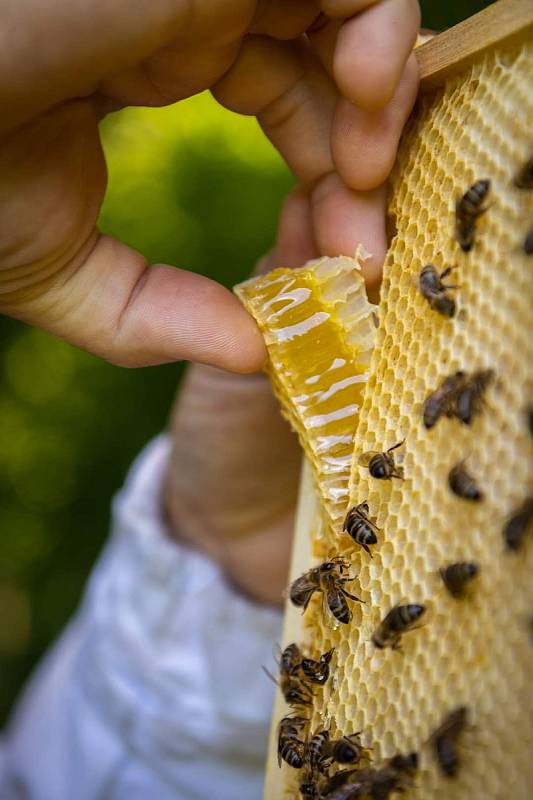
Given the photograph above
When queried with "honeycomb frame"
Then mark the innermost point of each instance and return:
(476, 650)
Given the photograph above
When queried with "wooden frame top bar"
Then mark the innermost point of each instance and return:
(454, 49)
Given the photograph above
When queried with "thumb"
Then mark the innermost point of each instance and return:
(118, 307)
(59, 273)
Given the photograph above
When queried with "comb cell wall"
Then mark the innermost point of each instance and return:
(477, 650)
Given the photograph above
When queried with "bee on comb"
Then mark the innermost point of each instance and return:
(468, 209)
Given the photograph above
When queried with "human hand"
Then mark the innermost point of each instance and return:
(233, 476)
(333, 102)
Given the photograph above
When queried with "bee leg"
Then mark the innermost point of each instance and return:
(399, 444)
(308, 600)
(446, 272)
(417, 627)
(324, 766)
(351, 596)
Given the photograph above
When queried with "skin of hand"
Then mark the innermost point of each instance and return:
(330, 81)
(233, 476)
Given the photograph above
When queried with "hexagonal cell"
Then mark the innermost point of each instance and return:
(460, 654)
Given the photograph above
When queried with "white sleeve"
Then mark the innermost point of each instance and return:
(155, 690)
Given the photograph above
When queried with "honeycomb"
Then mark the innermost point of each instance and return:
(319, 329)
(475, 650)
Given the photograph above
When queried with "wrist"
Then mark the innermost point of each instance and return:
(256, 564)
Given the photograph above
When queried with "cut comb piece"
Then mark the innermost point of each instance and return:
(319, 330)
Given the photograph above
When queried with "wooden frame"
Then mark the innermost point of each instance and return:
(453, 50)
(504, 22)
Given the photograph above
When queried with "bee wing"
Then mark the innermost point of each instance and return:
(310, 593)
(301, 584)
(325, 605)
(329, 599)
(341, 561)
(365, 458)
(304, 589)
(336, 599)
(328, 592)
(371, 524)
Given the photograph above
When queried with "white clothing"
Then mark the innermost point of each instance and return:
(155, 690)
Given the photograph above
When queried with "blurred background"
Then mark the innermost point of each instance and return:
(191, 185)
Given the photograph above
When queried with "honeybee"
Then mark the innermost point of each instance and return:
(442, 399)
(362, 529)
(524, 178)
(290, 660)
(516, 526)
(469, 399)
(444, 740)
(304, 587)
(397, 622)
(392, 777)
(309, 789)
(435, 291)
(292, 686)
(294, 690)
(382, 465)
(385, 781)
(317, 752)
(339, 779)
(528, 243)
(317, 671)
(336, 594)
(463, 484)
(348, 749)
(355, 787)
(328, 578)
(456, 576)
(467, 210)
(405, 763)
(291, 748)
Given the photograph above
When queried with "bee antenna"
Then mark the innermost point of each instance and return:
(269, 674)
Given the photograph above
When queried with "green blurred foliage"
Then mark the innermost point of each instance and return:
(440, 14)
(193, 186)
(190, 185)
